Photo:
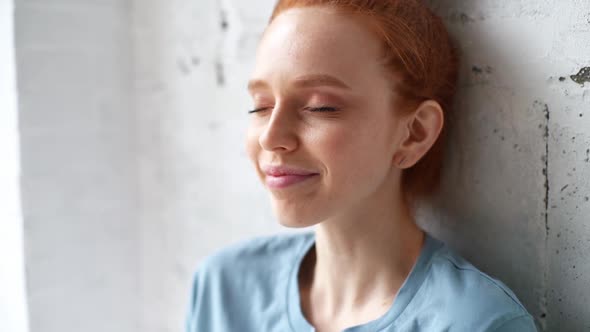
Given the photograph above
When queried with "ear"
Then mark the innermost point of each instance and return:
(423, 127)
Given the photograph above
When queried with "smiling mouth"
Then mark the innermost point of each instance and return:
(284, 181)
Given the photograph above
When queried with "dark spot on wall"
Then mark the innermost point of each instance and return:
(220, 73)
(213, 126)
(223, 20)
(183, 67)
(461, 18)
(195, 61)
(564, 187)
(480, 70)
(561, 79)
(582, 76)
(543, 315)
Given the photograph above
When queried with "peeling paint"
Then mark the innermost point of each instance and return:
(582, 76)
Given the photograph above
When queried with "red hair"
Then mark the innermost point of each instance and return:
(420, 55)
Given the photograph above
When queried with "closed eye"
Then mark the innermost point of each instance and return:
(321, 109)
(312, 109)
(258, 110)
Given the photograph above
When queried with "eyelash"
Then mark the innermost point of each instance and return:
(324, 109)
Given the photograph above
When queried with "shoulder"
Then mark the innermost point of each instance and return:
(256, 251)
(259, 261)
(473, 297)
(242, 280)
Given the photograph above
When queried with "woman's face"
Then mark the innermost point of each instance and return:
(323, 105)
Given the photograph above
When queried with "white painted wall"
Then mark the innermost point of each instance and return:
(133, 117)
(79, 164)
(13, 301)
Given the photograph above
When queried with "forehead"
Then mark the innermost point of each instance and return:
(312, 40)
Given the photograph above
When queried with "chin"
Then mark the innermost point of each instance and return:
(292, 218)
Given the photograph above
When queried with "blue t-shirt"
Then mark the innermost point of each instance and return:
(251, 286)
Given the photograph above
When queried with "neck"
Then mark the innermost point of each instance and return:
(361, 258)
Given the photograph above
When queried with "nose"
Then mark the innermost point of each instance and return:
(279, 133)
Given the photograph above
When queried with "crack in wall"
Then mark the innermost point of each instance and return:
(545, 297)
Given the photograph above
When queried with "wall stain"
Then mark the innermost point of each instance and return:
(220, 72)
(460, 18)
(223, 20)
(219, 64)
(582, 76)
(183, 67)
(213, 125)
(479, 70)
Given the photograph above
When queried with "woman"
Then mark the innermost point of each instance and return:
(346, 134)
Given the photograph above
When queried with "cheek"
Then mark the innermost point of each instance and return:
(355, 153)
(251, 144)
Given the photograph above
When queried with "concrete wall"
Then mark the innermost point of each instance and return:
(133, 120)
(515, 199)
(197, 191)
(13, 300)
(79, 188)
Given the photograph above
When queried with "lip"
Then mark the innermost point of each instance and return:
(282, 176)
(284, 170)
(279, 182)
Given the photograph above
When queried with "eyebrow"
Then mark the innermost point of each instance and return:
(307, 81)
